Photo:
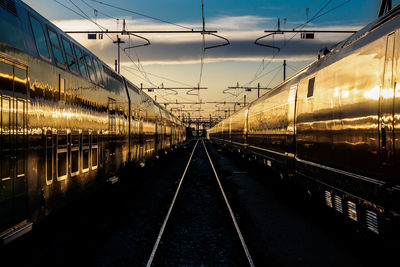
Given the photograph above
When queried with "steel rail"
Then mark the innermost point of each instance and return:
(246, 250)
(153, 252)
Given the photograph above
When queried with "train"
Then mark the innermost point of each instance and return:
(69, 122)
(334, 127)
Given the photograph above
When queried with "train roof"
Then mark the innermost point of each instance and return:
(368, 30)
(22, 11)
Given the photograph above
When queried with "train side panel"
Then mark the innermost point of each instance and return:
(344, 127)
(65, 119)
(271, 127)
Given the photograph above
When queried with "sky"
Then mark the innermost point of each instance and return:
(175, 60)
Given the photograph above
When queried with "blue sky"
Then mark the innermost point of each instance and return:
(177, 57)
(190, 10)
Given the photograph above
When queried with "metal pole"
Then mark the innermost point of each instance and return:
(258, 89)
(284, 70)
(244, 100)
(119, 54)
(202, 14)
(119, 42)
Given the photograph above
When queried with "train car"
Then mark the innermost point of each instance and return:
(334, 127)
(68, 121)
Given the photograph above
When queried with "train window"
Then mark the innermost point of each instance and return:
(311, 83)
(112, 120)
(71, 59)
(5, 121)
(75, 153)
(49, 158)
(62, 140)
(85, 140)
(5, 139)
(95, 149)
(20, 110)
(6, 77)
(56, 48)
(62, 160)
(89, 64)
(74, 162)
(40, 38)
(61, 166)
(20, 81)
(100, 145)
(75, 140)
(94, 139)
(98, 71)
(85, 152)
(81, 62)
(85, 160)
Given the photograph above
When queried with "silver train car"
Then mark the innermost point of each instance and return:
(68, 121)
(334, 127)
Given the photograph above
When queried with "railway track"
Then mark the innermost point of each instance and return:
(200, 227)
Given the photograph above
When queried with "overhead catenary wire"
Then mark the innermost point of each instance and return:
(100, 12)
(203, 51)
(138, 65)
(330, 10)
(262, 65)
(136, 62)
(302, 26)
(202, 60)
(86, 17)
(141, 14)
(292, 68)
(317, 15)
(130, 69)
(162, 77)
(136, 75)
(82, 16)
(273, 77)
(304, 10)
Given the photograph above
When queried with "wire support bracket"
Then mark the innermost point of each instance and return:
(257, 41)
(218, 36)
(140, 45)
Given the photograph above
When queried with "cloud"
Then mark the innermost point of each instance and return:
(187, 48)
(190, 52)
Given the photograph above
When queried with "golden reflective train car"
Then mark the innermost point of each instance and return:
(334, 126)
(68, 121)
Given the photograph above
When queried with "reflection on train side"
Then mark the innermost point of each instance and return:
(13, 141)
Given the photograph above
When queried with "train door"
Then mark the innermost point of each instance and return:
(13, 184)
(386, 106)
(112, 121)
